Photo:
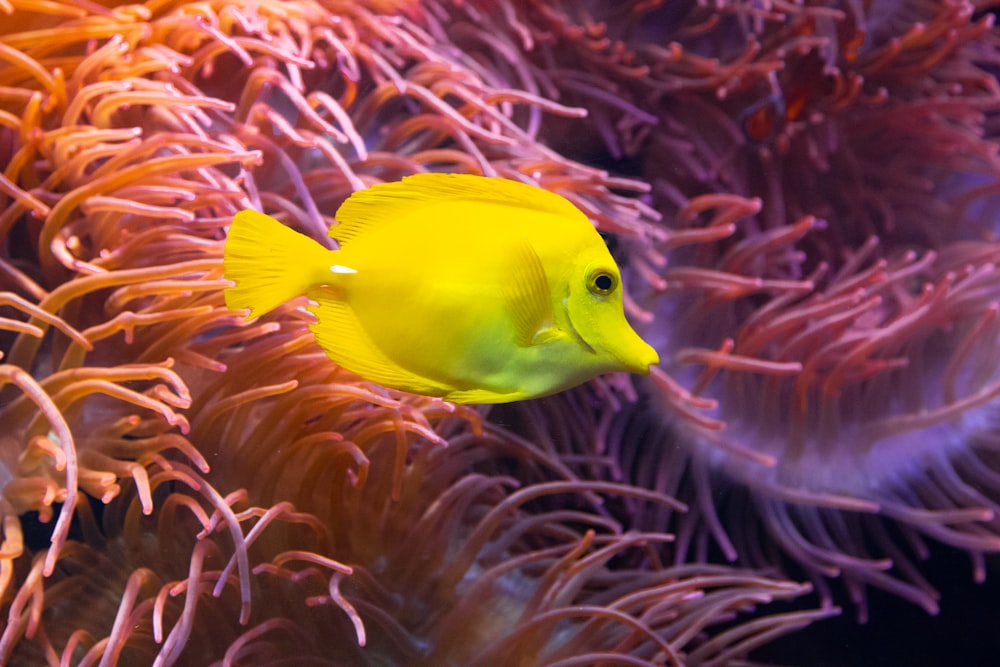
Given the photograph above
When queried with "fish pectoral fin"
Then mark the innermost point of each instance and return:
(527, 295)
(548, 335)
(345, 341)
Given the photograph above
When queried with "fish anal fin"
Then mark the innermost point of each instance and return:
(527, 296)
(484, 396)
(345, 340)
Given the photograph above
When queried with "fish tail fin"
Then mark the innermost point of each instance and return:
(270, 263)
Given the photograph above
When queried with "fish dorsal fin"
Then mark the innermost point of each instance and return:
(526, 294)
(387, 201)
(340, 333)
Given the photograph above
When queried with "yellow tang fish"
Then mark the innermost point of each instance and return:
(474, 289)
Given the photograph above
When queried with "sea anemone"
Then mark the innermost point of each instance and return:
(824, 289)
(851, 355)
(198, 465)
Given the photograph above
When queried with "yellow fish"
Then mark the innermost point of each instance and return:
(474, 289)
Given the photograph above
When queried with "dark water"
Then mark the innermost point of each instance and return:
(966, 633)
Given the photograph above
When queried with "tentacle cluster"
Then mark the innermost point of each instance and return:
(824, 286)
(226, 470)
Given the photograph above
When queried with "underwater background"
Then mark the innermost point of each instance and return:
(803, 197)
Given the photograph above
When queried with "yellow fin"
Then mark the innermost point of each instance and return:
(483, 396)
(526, 294)
(387, 201)
(270, 263)
(346, 342)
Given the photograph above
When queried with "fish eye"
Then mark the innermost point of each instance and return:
(602, 282)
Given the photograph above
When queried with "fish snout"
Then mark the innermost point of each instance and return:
(637, 356)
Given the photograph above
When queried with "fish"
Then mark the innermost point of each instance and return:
(469, 288)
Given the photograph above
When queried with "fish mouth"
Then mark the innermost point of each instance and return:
(633, 353)
(641, 357)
